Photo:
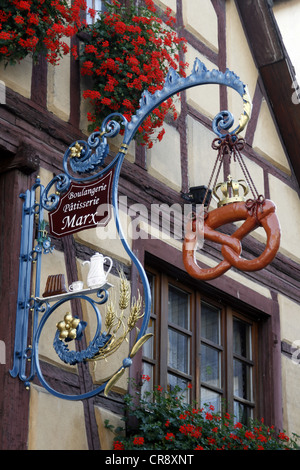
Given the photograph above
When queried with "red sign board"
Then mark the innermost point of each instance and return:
(83, 206)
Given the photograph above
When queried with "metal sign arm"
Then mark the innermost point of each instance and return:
(84, 161)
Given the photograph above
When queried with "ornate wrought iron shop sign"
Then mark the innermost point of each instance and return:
(72, 199)
(78, 208)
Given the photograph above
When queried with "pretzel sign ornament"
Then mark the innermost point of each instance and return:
(254, 212)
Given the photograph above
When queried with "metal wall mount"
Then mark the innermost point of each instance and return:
(84, 161)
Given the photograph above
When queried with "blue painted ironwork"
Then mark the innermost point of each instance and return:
(82, 162)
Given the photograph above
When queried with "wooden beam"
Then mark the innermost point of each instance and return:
(26, 159)
(14, 401)
(276, 72)
(278, 81)
(261, 30)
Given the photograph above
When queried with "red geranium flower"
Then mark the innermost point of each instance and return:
(199, 447)
(38, 26)
(135, 48)
(138, 441)
(19, 19)
(118, 445)
(283, 436)
(249, 435)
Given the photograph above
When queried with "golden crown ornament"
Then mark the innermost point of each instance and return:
(231, 190)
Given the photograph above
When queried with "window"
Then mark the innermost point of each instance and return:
(242, 369)
(197, 340)
(94, 5)
(211, 356)
(178, 338)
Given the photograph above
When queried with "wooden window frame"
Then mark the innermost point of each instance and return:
(222, 390)
(165, 325)
(254, 362)
(227, 314)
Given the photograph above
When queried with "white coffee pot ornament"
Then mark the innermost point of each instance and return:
(97, 275)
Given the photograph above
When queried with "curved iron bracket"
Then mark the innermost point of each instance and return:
(84, 161)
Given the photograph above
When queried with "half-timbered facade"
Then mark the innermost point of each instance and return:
(233, 338)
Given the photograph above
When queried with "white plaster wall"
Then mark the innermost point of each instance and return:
(202, 156)
(290, 333)
(266, 140)
(106, 239)
(204, 23)
(239, 59)
(290, 392)
(164, 160)
(55, 424)
(58, 96)
(288, 211)
(204, 98)
(287, 15)
(18, 77)
(289, 319)
(106, 436)
(167, 4)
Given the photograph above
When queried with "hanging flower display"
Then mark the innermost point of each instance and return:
(31, 27)
(165, 422)
(131, 49)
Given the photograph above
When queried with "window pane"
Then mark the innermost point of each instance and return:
(241, 413)
(178, 307)
(151, 280)
(98, 5)
(209, 397)
(242, 338)
(148, 347)
(242, 380)
(174, 381)
(210, 322)
(178, 351)
(148, 370)
(210, 366)
(94, 5)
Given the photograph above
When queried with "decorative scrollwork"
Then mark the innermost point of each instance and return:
(87, 157)
(174, 83)
(91, 156)
(104, 343)
(111, 127)
(61, 183)
(85, 161)
(102, 294)
(75, 357)
(222, 122)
